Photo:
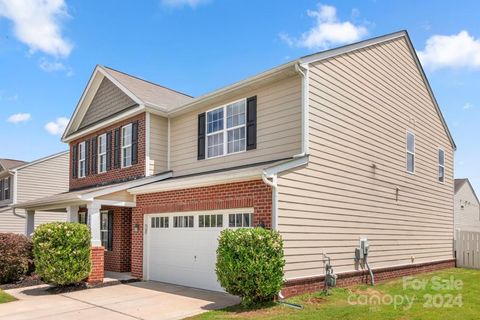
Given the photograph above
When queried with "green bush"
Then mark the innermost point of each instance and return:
(61, 252)
(250, 264)
(15, 257)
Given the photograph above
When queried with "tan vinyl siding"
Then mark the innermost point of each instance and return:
(278, 130)
(468, 218)
(108, 100)
(158, 144)
(11, 222)
(361, 105)
(43, 179)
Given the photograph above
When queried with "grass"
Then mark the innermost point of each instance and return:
(5, 297)
(451, 302)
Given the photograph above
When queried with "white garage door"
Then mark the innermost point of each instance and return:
(181, 247)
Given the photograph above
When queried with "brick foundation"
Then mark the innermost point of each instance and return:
(249, 194)
(118, 259)
(97, 257)
(306, 285)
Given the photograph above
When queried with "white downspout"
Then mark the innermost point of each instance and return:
(274, 186)
(305, 107)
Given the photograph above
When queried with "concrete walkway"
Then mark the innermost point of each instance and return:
(140, 300)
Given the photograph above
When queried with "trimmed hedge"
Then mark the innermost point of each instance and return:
(15, 257)
(250, 264)
(62, 252)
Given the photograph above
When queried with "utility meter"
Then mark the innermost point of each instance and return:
(363, 248)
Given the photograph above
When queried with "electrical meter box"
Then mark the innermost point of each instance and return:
(363, 248)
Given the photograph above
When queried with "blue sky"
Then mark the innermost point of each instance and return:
(48, 49)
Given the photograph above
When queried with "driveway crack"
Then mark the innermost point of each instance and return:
(102, 307)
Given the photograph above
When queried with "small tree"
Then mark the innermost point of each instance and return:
(15, 257)
(250, 264)
(62, 252)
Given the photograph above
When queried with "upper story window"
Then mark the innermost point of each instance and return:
(81, 160)
(441, 165)
(5, 189)
(102, 153)
(226, 129)
(410, 152)
(126, 146)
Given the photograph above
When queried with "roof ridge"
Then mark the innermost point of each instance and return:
(147, 81)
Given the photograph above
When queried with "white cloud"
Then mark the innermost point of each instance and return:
(328, 30)
(467, 106)
(51, 66)
(37, 23)
(182, 3)
(19, 117)
(455, 51)
(58, 126)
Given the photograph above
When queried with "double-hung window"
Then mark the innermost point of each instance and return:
(410, 152)
(102, 153)
(226, 131)
(81, 160)
(106, 223)
(441, 165)
(127, 146)
(6, 189)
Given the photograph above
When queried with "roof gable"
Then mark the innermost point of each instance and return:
(460, 183)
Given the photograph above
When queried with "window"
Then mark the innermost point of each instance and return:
(127, 146)
(441, 165)
(226, 131)
(6, 188)
(102, 153)
(159, 222)
(81, 160)
(240, 220)
(82, 218)
(183, 221)
(210, 221)
(410, 152)
(106, 221)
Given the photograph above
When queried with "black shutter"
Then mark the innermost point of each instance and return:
(75, 161)
(135, 142)
(1, 190)
(116, 149)
(252, 123)
(201, 136)
(94, 169)
(110, 231)
(87, 157)
(109, 150)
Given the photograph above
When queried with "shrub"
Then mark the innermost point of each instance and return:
(250, 264)
(15, 257)
(61, 252)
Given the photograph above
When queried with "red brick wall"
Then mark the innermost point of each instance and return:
(348, 279)
(246, 194)
(134, 171)
(97, 257)
(118, 260)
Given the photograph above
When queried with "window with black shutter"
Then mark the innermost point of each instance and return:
(252, 123)
(87, 157)
(109, 151)
(1, 189)
(75, 161)
(201, 136)
(94, 168)
(116, 148)
(135, 142)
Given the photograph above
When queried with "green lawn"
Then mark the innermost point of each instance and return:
(441, 297)
(5, 297)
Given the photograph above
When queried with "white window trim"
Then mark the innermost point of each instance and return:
(123, 147)
(80, 160)
(6, 187)
(225, 130)
(409, 152)
(439, 165)
(102, 137)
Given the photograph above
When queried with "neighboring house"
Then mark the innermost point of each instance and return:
(21, 181)
(466, 206)
(329, 148)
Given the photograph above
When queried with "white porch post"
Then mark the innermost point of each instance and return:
(29, 222)
(94, 222)
(72, 213)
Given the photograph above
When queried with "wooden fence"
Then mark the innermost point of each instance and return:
(467, 249)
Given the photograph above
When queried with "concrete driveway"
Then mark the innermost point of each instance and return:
(140, 300)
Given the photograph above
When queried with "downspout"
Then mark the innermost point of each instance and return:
(274, 186)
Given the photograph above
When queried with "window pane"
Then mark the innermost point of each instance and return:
(236, 114)
(410, 162)
(236, 140)
(246, 219)
(441, 174)
(190, 221)
(441, 157)
(238, 220)
(410, 142)
(215, 120)
(215, 145)
(231, 220)
(166, 222)
(153, 222)
(200, 222)
(127, 135)
(219, 220)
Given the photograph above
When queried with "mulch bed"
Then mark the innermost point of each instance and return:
(28, 281)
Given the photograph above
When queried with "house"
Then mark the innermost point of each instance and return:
(336, 146)
(466, 206)
(24, 181)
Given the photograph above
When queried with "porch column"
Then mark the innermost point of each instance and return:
(29, 222)
(72, 213)
(94, 222)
